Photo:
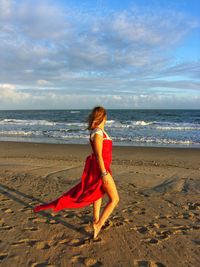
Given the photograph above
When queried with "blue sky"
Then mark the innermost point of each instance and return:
(119, 54)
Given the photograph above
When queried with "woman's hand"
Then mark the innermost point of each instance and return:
(106, 179)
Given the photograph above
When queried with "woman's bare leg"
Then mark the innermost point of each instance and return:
(96, 209)
(112, 193)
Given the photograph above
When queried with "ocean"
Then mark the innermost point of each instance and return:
(126, 127)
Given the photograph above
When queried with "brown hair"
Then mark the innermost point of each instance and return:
(96, 117)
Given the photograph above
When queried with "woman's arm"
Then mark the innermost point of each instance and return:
(98, 142)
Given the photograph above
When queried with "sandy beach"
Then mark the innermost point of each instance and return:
(156, 222)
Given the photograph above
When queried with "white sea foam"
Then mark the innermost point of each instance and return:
(155, 125)
(154, 140)
(40, 122)
(27, 122)
(142, 123)
(178, 128)
(110, 121)
(110, 124)
(20, 133)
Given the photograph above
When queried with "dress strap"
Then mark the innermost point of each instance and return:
(97, 130)
(102, 131)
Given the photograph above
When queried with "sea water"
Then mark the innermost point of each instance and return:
(127, 127)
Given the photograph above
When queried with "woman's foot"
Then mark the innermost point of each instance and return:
(97, 229)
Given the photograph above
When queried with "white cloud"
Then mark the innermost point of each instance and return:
(64, 51)
(6, 8)
(9, 94)
(43, 82)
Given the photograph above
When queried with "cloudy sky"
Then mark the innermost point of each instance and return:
(119, 54)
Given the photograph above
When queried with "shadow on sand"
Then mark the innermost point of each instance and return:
(15, 196)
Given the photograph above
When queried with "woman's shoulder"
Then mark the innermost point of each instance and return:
(97, 130)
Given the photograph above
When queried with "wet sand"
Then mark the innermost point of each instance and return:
(156, 222)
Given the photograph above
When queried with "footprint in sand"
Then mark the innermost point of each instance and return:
(179, 227)
(197, 242)
(118, 224)
(27, 241)
(87, 212)
(74, 241)
(193, 206)
(5, 199)
(17, 243)
(69, 215)
(158, 226)
(27, 210)
(89, 262)
(87, 228)
(3, 256)
(5, 227)
(140, 212)
(55, 214)
(42, 264)
(39, 220)
(74, 258)
(127, 220)
(107, 225)
(125, 210)
(131, 210)
(24, 208)
(31, 218)
(33, 203)
(196, 227)
(96, 240)
(169, 216)
(132, 185)
(50, 221)
(89, 240)
(161, 216)
(164, 235)
(182, 229)
(6, 210)
(2, 222)
(9, 211)
(185, 215)
(79, 243)
(30, 228)
(140, 229)
(64, 241)
(117, 217)
(144, 263)
(152, 241)
(42, 245)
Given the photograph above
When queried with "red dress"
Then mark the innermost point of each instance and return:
(89, 188)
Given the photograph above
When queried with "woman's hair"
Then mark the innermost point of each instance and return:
(95, 117)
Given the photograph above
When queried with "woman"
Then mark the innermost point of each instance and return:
(96, 179)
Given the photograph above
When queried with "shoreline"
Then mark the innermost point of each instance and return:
(115, 146)
(182, 157)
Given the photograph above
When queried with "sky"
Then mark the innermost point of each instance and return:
(119, 54)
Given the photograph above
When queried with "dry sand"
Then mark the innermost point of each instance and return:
(156, 222)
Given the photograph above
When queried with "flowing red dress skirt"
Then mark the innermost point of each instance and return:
(89, 189)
